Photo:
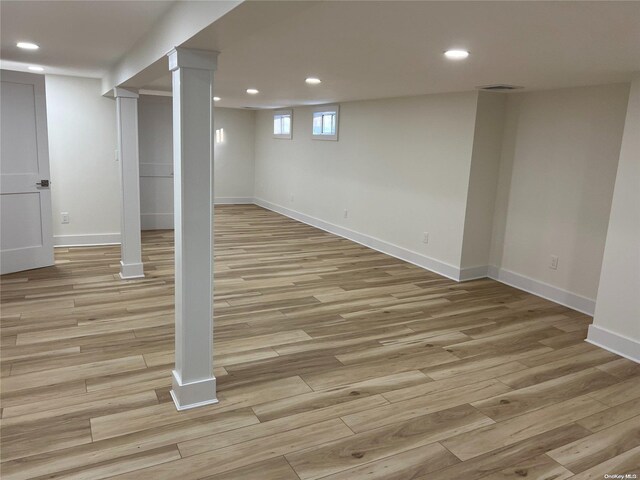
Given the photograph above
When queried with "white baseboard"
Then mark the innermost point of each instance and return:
(148, 221)
(415, 258)
(156, 221)
(493, 272)
(473, 273)
(536, 287)
(86, 240)
(544, 290)
(614, 342)
(555, 294)
(233, 201)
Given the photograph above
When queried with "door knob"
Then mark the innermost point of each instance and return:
(43, 183)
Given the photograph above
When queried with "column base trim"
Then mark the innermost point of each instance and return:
(195, 394)
(131, 270)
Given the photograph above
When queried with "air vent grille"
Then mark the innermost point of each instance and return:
(500, 88)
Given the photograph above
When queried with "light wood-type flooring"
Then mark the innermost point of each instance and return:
(333, 361)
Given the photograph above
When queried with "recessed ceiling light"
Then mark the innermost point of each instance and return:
(216, 99)
(36, 69)
(252, 91)
(313, 81)
(456, 54)
(27, 45)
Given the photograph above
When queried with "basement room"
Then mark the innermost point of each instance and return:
(337, 240)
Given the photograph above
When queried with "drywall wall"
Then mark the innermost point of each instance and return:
(233, 159)
(558, 167)
(155, 137)
(483, 181)
(84, 172)
(400, 169)
(616, 324)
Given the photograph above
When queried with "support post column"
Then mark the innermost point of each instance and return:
(127, 125)
(192, 75)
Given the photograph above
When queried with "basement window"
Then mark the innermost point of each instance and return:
(325, 122)
(282, 124)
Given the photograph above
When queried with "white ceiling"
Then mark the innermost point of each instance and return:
(75, 37)
(364, 50)
(360, 49)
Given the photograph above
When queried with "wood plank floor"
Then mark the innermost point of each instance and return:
(333, 361)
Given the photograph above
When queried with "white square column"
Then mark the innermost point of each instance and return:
(127, 125)
(192, 74)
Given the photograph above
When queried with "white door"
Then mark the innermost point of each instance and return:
(26, 240)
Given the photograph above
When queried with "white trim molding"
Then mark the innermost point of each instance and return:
(614, 342)
(402, 253)
(195, 394)
(473, 273)
(521, 282)
(193, 196)
(128, 157)
(544, 290)
(86, 240)
(131, 270)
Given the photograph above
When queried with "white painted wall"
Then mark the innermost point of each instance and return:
(400, 168)
(506, 185)
(483, 181)
(559, 160)
(156, 162)
(233, 159)
(84, 173)
(616, 324)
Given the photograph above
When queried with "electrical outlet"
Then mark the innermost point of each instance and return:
(117, 157)
(64, 217)
(425, 237)
(554, 262)
(346, 213)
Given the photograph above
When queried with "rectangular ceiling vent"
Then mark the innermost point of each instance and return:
(500, 88)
